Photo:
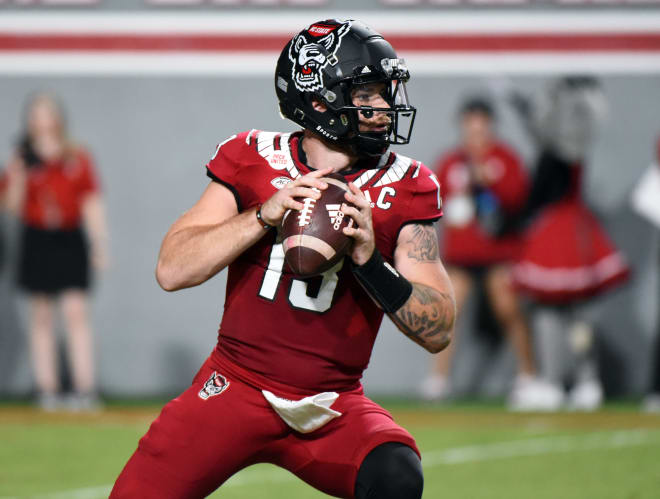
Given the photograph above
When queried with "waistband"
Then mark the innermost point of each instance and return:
(262, 383)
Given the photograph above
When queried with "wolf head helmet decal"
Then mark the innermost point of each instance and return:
(320, 69)
(311, 50)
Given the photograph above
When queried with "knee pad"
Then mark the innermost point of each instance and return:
(390, 471)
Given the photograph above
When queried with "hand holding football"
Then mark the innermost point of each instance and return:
(313, 237)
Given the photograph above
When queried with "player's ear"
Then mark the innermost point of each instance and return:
(319, 105)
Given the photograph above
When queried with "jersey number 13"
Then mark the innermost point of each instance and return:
(298, 293)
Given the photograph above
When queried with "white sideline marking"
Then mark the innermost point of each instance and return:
(451, 456)
(540, 446)
(84, 493)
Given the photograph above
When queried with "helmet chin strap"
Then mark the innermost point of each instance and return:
(370, 144)
(361, 146)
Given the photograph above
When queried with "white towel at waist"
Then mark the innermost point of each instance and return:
(305, 415)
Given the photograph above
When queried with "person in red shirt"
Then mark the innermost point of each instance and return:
(484, 185)
(283, 383)
(51, 185)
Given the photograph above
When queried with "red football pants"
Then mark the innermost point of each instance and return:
(195, 445)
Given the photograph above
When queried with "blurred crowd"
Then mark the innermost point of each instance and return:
(531, 246)
(518, 240)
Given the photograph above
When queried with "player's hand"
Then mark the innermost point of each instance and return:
(273, 210)
(364, 240)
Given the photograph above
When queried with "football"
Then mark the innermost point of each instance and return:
(313, 238)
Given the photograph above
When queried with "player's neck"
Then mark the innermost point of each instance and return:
(321, 154)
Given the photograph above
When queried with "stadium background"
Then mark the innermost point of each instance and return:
(153, 86)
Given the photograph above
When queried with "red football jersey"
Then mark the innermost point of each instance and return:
(314, 334)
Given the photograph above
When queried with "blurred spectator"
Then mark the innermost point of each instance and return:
(51, 185)
(483, 185)
(567, 257)
(646, 202)
(3, 190)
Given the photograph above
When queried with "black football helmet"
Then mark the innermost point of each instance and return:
(325, 62)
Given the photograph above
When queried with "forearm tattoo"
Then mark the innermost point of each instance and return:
(423, 244)
(427, 317)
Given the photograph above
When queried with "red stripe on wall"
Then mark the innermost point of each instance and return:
(565, 42)
(532, 42)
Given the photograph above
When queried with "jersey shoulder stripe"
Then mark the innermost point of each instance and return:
(396, 171)
(381, 172)
(373, 174)
(274, 148)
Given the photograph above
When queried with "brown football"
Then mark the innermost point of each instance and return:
(313, 237)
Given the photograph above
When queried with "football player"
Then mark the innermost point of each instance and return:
(283, 385)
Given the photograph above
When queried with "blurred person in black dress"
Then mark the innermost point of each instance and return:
(50, 183)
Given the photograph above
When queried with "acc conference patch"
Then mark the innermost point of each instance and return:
(215, 385)
(280, 182)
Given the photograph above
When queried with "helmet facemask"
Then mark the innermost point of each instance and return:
(393, 74)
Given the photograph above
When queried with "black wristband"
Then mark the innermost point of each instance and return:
(383, 283)
(261, 221)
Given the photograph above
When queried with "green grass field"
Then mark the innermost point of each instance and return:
(468, 452)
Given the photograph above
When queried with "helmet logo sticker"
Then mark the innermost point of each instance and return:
(310, 52)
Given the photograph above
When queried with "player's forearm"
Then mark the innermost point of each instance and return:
(427, 317)
(192, 255)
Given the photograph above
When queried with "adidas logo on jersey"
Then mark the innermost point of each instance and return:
(336, 215)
